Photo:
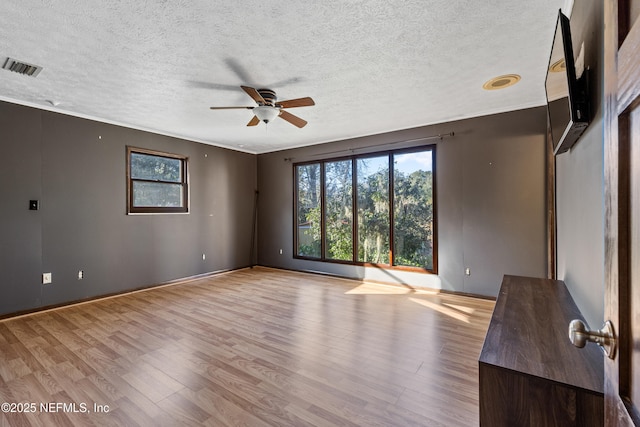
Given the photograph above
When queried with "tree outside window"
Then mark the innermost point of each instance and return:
(376, 209)
(156, 182)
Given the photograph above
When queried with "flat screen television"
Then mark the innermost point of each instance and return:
(567, 97)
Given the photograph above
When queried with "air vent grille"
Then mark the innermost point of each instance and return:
(21, 67)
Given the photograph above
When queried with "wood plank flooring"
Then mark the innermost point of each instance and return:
(255, 347)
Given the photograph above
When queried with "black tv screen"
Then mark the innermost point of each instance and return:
(566, 93)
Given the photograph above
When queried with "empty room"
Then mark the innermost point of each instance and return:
(350, 213)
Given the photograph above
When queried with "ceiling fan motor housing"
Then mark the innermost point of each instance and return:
(268, 95)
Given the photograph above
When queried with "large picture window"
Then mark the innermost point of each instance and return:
(376, 209)
(156, 182)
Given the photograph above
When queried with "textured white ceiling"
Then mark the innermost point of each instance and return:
(371, 66)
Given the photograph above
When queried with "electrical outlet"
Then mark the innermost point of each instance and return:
(467, 271)
(46, 278)
(80, 274)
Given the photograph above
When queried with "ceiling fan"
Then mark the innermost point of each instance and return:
(269, 107)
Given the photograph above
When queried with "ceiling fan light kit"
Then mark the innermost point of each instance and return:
(266, 113)
(269, 108)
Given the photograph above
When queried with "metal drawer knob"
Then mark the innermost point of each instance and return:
(605, 337)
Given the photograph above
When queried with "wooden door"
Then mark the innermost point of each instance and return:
(622, 209)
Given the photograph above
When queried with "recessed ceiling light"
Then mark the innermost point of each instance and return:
(558, 67)
(501, 82)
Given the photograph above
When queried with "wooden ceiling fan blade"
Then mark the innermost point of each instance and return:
(298, 102)
(253, 93)
(231, 108)
(254, 122)
(294, 120)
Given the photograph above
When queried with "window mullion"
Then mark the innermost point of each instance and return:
(391, 212)
(158, 181)
(354, 213)
(323, 212)
(296, 208)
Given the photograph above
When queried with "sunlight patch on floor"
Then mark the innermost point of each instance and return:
(377, 289)
(468, 310)
(448, 311)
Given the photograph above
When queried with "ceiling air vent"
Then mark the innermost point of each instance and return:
(21, 67)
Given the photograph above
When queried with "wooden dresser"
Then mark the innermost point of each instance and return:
(530, 373)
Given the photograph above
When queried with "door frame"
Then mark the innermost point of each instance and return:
(621, 89)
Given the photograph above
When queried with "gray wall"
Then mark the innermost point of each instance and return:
(491, 205)
(580, 181)
(77, 169)
(490, 201)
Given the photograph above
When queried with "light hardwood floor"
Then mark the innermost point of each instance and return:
(255, 347)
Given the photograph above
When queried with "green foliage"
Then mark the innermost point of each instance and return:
(157, 180)
(412, 214)
(308, 179)
(413, 219)
(309, 242)
(373, 216)
(339, 210)
(155, 168)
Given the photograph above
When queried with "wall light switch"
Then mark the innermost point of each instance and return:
(33, 205)
(46, 278)
(280, 251)
(467, 271)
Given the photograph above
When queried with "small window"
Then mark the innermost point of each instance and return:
(156, 182)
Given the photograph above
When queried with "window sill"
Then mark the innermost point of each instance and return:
(371, 265)
(156, 213)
